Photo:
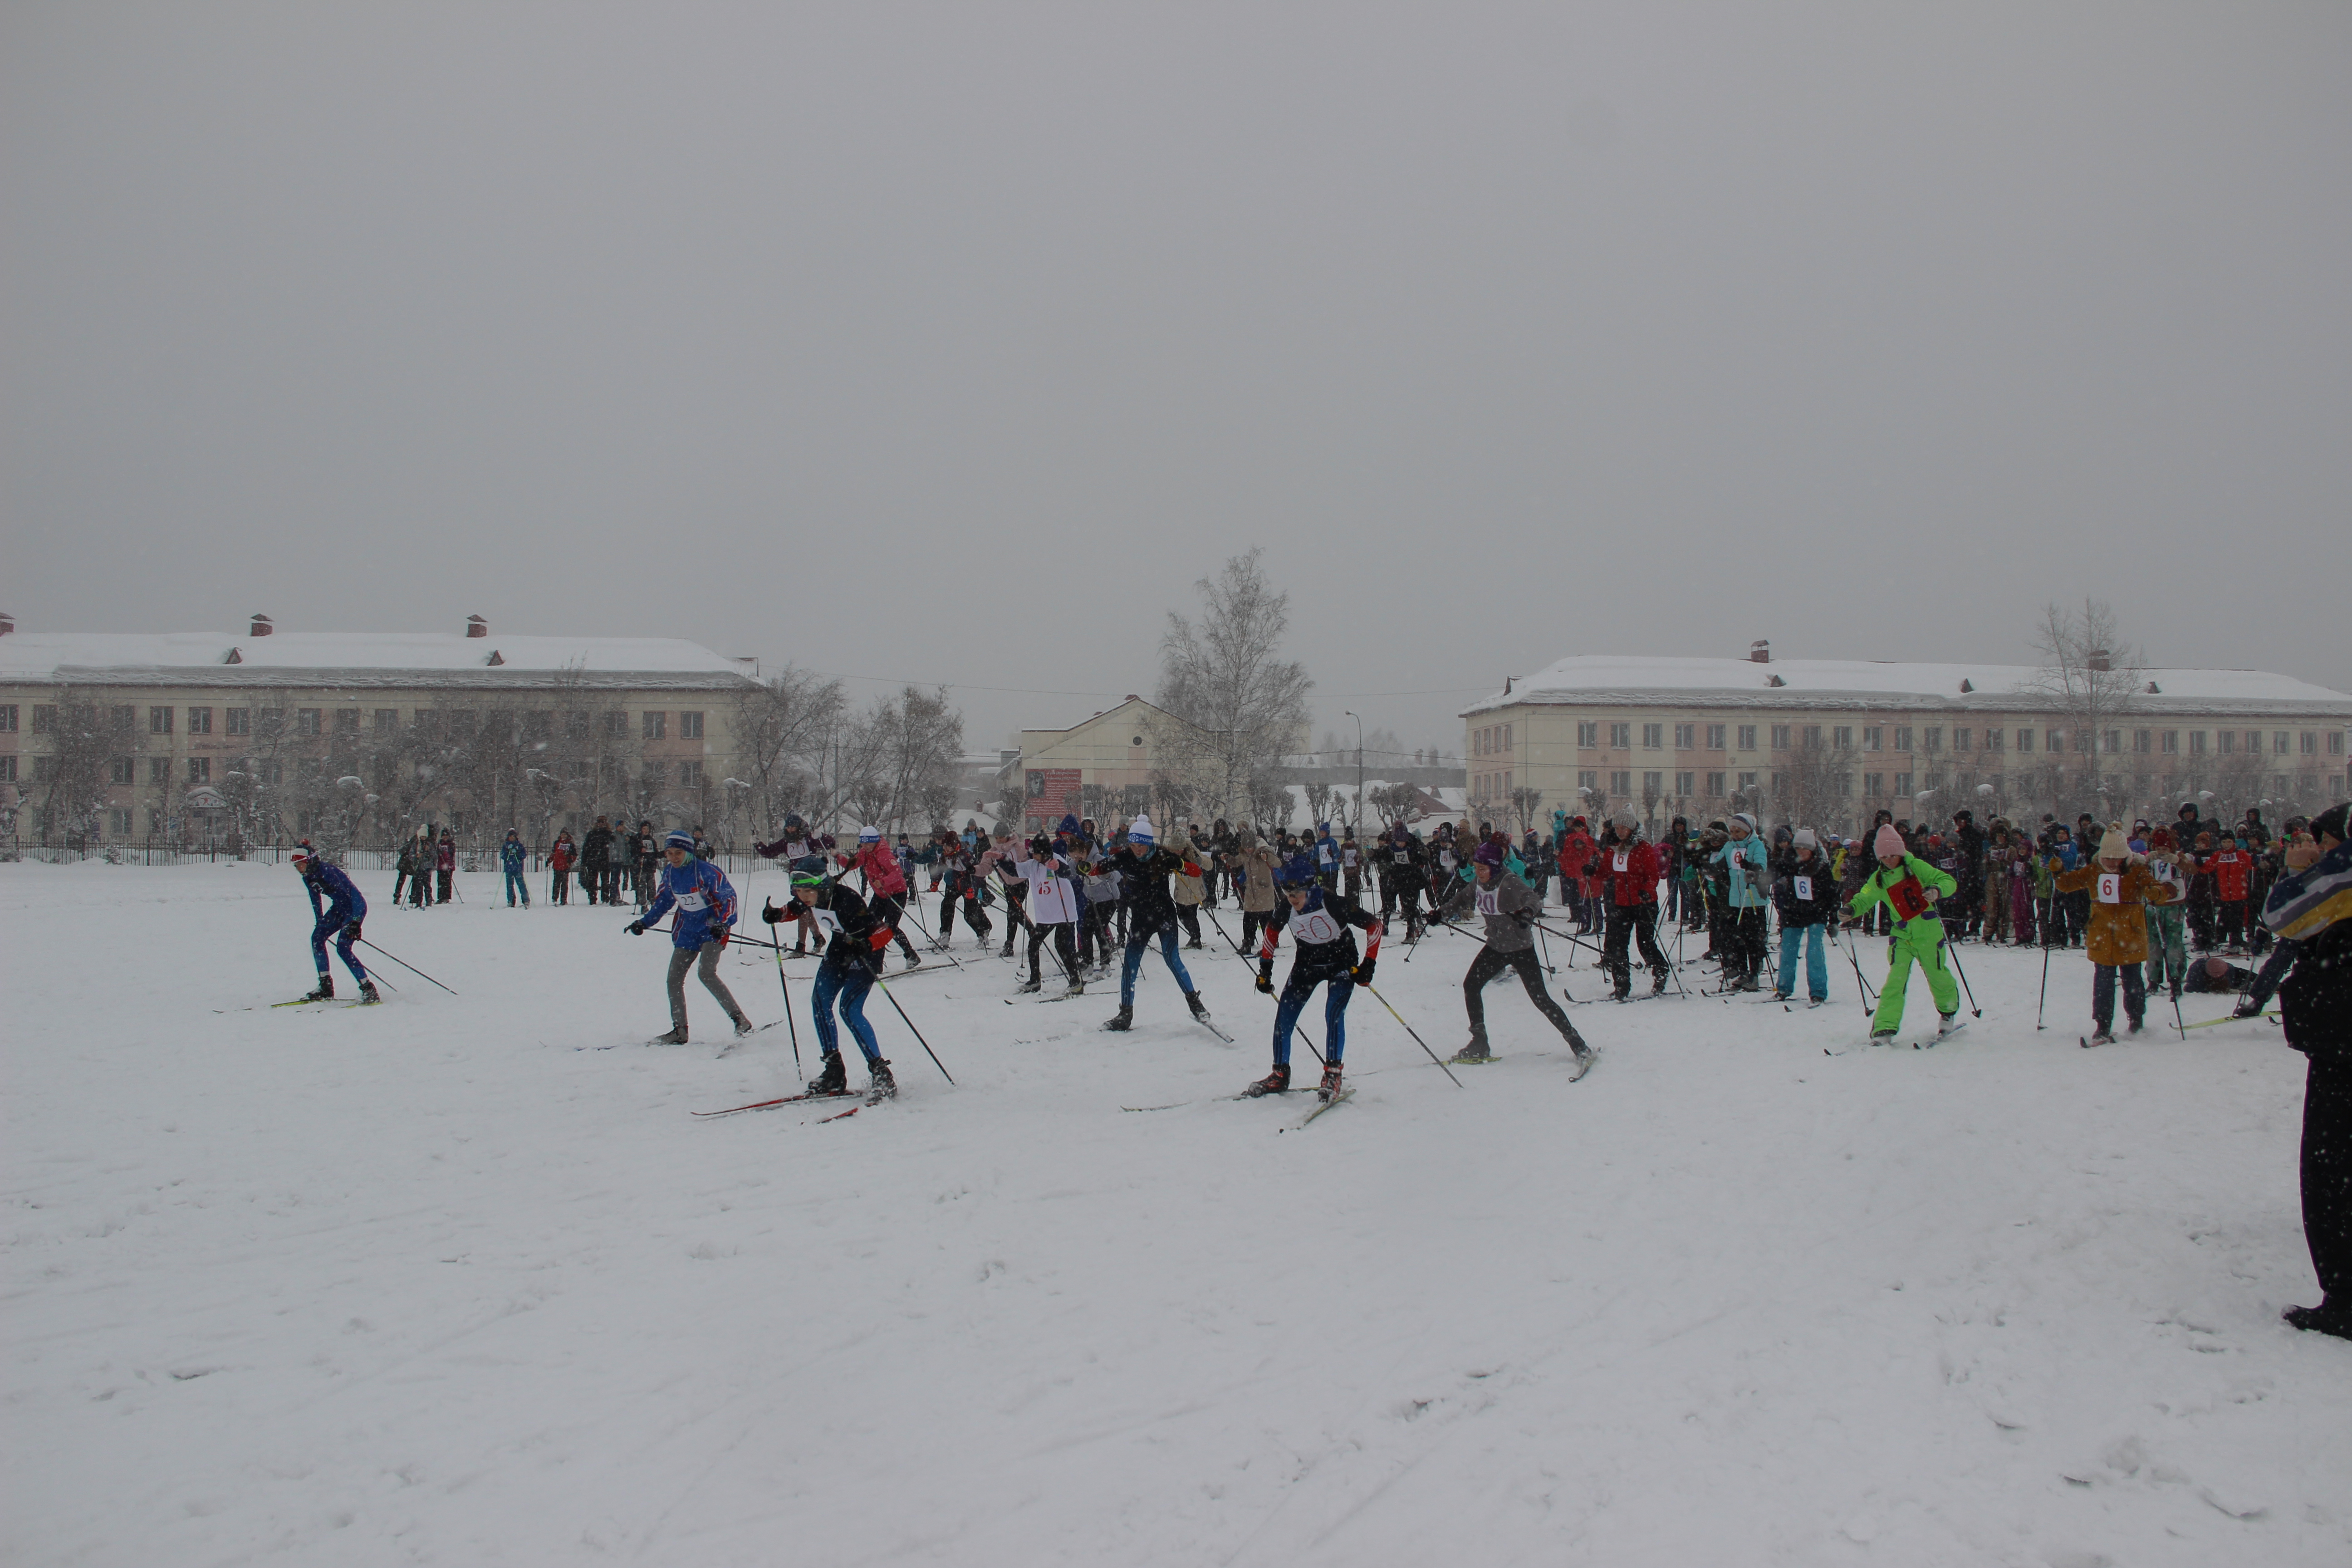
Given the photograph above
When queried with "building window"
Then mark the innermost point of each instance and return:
(1841, 737)
(2170, 742)
(1588, 780)
(1507, 741)
(306, 721)
(8, 768)
(689, 774)
(2311, 743)
(347, 721)
(656, 726)
(1748, 737)
(2253, 742)
(1845, 787)
(1902, 737)
(1685, 737)
(1714, 786)
(200, 770)
(1779, 737)
(1934, 782)
(1682, 783)
(158, 770)
(1746, 782)
(7, 718)
(2196, 742)
(616, 726)
(2282, 743)
(44, 769)
(387, 722)
(1874, 738)
(2054, 741)
(1653, 737)
(1933, 737)
(1993, 738)
(2228, 742)
(1873, 785)
(2336, 742)
(1961, 740)
(119, 718)
(2143, 741)
(1652, 785)
(1621, 784)
(1588, 734)
(45, 719)
(2111, 741)
(1812, 737)
(654, 771)
(237, 720)
(119, 770)
(1714, 737)
(689, 726)
(118, 822)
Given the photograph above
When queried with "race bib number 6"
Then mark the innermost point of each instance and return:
(1804, 886)
(2111, 888)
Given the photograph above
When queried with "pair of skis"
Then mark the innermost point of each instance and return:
(871, 1097)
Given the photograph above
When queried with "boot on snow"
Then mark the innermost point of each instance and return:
(831, 1078)
(742, 1026)
(1200, 1008)
(1275, 1082)
(368, 992)
(326, 991)
(1476, 1051)
(675, 1037)
(1121, 1021)
(1034, 983)
(1950, 1023)
(1328, 1090)
(883, 1086)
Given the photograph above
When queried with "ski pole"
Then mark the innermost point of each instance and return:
(403, 962)
(1954, 954)
(917, 1033)
(1416, 1037)
(1858, 984)
(787, 989)
(2045, 984)
(2176, 1017)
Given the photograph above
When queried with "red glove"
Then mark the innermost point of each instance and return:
(879, 939)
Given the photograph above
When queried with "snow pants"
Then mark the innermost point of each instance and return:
(1295, 991)
(851, 988)
(443, 879)
(891, 908)
(1817, 963)
(1066, 947)
(1135, 946)
(682, 958)
(345, 932)
(1627, 922)
(2167, 948)
(518, 888)
(560, 892)
(1490, 963)
(2230, 926)
(2103, 994)
(1919, 941)
(2327, 1175)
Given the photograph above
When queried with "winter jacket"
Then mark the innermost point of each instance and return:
(512, 855)
(1576, 853)
(332, 887)
(445, 856)
(2118, 931)
(1255, 865)
(1805, 892)
(883, 874)
(1186, 888)
(1747, 860)
(1052, 900)
(596, 849)
(562, 856)
(857, 934)
(1629, 868)
(1503, 901)
(1150, 907)
(2314, 908)
(1327, 948)
(2230, 866)
(705, 902)
(1905, 886)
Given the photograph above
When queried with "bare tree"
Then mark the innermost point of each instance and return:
(783, 729)
(2091, 675)
(1243, 704)
(1526, 803)
(87, 738)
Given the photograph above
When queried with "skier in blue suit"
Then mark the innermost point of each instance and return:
(336, 910)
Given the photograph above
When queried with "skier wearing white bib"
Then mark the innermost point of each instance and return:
(1319, 923)
(1510, 906)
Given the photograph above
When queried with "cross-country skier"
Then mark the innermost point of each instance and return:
(1909, 887)
(705, 902)
(886, 885)
(852, 956)
(1629, 875)
(2121, 886)
(801, 849)
(511, 858)
(1510, 908)
(336, 910)
(2312, 908)
(1806, 895)
(1144, 869)
(1053, 908)
(1318, 922)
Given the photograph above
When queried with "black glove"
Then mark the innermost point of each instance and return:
(772, 915)
(1523, 917)
(1265, 981)
(1362, 973)
(636, 928)
(351, 932)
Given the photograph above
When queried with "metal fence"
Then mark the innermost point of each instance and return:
(736, 865)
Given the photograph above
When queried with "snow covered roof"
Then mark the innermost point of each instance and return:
(381, 660)
(1618, 680)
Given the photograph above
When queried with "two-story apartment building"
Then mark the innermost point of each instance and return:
(1830, 741)
(182, 737)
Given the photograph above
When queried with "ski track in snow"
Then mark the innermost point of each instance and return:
(425, 1284)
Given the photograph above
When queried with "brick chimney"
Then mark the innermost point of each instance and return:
(1759, 651)
(477, 627)
(261, 626)
(7, 624)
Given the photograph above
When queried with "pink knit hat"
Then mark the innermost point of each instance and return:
(1888, 842)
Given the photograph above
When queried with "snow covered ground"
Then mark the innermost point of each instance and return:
(444, 1282)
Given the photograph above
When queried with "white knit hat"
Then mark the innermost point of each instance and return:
(1140, 831)
(1805, 840)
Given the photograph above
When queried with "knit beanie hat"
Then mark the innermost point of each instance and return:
(1488, 854)
(869, 834)
(2113, 844)
(1625, 817)
(1140, 831)
(679, 838)
(1805, 840)
(1888, 842)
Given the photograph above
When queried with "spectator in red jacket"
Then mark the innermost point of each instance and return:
(1577, 885)
(2231, 868)
(1629, 868)
(560, 859)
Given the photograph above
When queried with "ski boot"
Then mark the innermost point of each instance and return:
(883, 1086)
(1275, 1082)
(675, 1037)
(1077, 987)
(2133, 1028)
(368, 992)
(2324, 1318)
(742, 1026)
(2102, 1035)
(914, 959)
(1007, 952)
(326, 991)
(1200, 1008)
(1193, 945)
(1121, 1021)
(1950, 1023)
(2244, 1009)
(1329, 1090)
(831, 1078)
(1476, 1051)
(1658, 985)
(1582, 1061)
(1034, 983)
(1882, 1037)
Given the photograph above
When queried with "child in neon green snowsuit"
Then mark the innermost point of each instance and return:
(1905, 882)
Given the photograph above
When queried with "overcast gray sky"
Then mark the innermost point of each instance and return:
(953, 342)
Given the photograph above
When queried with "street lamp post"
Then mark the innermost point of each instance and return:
(1360, 768)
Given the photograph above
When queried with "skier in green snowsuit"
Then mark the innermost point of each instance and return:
(1909, 887)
